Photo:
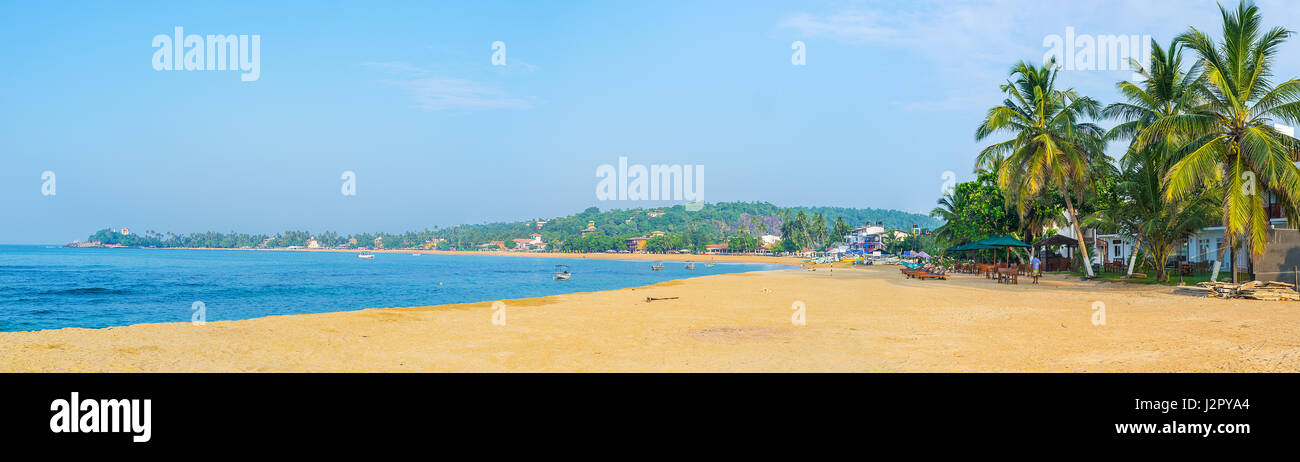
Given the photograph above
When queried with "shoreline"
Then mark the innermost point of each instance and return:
(857, 320)
(569, 255)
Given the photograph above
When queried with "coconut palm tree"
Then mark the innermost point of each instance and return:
(1141, 211)
(948, 212)
(1233, 148)
(1051, 145)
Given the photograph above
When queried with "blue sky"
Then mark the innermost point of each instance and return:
(405, 95)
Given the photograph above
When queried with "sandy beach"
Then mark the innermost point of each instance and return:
(857, 319)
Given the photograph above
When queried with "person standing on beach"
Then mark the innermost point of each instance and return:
(1034, 265)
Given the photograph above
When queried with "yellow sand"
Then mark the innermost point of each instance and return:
(868, 319)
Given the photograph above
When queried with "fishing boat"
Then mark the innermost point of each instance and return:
(365, 255)
(710, 265)
(690, 265)
(658, 267)
(562, 273)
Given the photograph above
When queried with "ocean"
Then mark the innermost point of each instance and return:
(44, 287)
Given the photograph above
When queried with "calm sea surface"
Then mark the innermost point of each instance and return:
(50, 288)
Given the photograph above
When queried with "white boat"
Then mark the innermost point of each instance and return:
(562, 273)
(365, 255)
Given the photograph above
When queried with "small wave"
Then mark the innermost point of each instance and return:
(84, 291)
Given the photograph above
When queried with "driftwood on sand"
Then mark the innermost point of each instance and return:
(1253, 290)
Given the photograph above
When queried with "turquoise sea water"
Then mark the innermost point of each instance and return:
(49, 288)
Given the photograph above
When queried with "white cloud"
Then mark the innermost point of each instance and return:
(439, 94)
(431, 92)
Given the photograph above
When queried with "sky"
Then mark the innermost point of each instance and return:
(407, 97)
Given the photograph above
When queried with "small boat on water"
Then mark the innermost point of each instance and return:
(562, 273)
(658, 267)
(365, 255)
(690, 265)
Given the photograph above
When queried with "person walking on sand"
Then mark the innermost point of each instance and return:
(1034, 265)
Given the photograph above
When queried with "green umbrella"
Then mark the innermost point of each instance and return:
(1003, 241)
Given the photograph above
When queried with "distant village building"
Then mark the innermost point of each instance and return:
(636, 244)
(125, 232)
(534, 242)
(654, 213)
(591, 228)
(312, 244)
(769, 239)
(865, 238)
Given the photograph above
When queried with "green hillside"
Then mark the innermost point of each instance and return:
(714, 223)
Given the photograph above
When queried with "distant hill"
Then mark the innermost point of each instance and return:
(713, 223)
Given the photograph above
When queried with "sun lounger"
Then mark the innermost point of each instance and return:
(935, 274)
(912, 272)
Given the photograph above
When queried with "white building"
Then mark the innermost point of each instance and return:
(866, 238)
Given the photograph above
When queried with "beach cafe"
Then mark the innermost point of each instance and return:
(994, 243)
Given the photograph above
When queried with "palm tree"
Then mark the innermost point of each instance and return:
(1141, 211)
(819, 230)
(947, 211)
(1232, 147)
(1051, 146)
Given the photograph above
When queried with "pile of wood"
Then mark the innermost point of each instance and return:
(1253, 290)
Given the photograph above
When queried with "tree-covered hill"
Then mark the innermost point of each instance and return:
(713, 223)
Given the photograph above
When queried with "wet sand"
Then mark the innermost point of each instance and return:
(857, 319)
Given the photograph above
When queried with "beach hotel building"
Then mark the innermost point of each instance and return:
(866, 238)
(1201, 247)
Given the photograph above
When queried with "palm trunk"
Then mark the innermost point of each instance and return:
(1137, 245)
(1083, 247)
(1232, 264)
(1161, 256)
(1218, 263)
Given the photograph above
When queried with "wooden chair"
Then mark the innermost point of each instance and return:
(1008, 276)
